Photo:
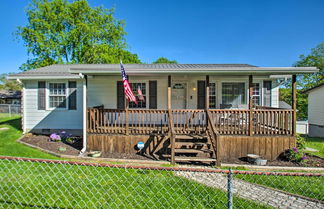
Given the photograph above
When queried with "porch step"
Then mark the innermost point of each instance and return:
(193, 159)
(192, 151)
(190, 137)
(192, 143)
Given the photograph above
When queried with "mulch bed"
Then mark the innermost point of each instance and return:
(74, 150)
(312, 161)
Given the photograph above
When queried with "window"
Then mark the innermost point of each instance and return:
(256, 94)
(212, 95)
(233, 94)
(141, 103)
(57, 95)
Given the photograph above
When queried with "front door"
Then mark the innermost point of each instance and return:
(179, 95)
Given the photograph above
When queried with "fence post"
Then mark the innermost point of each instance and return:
(230, 189)
(9, 106)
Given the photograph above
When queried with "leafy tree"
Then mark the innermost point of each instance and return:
(6, 84)
(301, 105)
(163, 60)
(314, 59)
(59, 31)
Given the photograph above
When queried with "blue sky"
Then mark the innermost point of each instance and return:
(262, 33)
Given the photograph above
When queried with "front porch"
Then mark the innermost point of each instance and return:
(188, 135)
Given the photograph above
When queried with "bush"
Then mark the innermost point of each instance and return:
(297, 154)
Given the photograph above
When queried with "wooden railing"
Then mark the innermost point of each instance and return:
(187, 121)
(273, 122)
(214, 136)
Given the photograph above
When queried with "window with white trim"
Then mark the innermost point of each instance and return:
(256, 94)
(233, 94)
(141, 103)
(212, 95)
(57, 95)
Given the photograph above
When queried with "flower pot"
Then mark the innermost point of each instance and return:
(260, 161)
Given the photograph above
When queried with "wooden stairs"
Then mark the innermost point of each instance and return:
(192, 148)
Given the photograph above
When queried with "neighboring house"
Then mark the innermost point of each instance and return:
(10, 97)
(284, 105)
(183, 103)
(316, 111)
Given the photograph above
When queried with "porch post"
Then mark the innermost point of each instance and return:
(251, 105)
(127, 113)
(169, 92)
(172, 139)
(293, 95)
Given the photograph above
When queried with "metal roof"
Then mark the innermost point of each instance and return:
(69, 71)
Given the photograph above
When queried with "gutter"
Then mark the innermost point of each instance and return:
(242, 71)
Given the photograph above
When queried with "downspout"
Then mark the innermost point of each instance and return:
(84, 108)
(22, 108)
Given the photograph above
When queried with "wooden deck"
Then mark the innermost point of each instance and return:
(175, 134)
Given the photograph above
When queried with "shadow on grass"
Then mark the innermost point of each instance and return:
(26, 205)
(15, 123)
(312, 139)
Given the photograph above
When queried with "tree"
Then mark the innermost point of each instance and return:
(6, 84)
(163, 60)
(314, 59)
(59, 31)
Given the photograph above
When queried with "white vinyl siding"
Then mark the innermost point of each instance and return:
(316, 106)
(50, 118)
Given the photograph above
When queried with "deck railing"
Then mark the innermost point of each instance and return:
(186, 121)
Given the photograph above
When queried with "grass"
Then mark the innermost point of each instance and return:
(315, 143)
(8, 140)
(27, 184)
(312, 187)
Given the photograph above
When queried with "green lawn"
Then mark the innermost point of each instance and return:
(27, 184)
(312, 187)
(8, 138)
(315, 143)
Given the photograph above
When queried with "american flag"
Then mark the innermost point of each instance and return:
(140, 94)
(127, 88)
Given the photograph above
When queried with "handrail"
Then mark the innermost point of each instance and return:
(215, 137)
(172, 135)
(225, 121)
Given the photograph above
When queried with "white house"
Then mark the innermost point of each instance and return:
(316, 111)
(88, 100)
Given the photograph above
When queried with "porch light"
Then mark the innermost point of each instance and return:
(194, 89)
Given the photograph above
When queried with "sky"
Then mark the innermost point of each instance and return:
(258, 32)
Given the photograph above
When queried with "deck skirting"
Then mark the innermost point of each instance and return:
(232, 146)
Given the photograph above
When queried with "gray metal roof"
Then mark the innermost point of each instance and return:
(72, 70)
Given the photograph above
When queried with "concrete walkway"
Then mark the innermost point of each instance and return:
(250, 191)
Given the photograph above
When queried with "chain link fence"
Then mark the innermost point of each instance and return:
(29, 183)
(9, 110)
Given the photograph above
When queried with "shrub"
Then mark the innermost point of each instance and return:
(55, 137)
(297, 154)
